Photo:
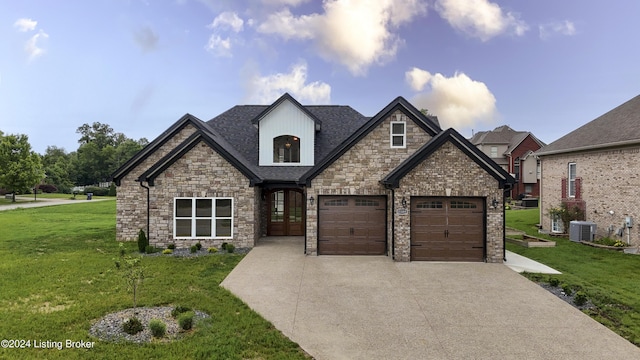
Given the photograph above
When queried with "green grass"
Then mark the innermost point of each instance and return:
(611, 279)
(58, 277)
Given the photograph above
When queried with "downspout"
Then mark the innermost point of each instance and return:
(393, 224)
(148, 207)
(507, 189)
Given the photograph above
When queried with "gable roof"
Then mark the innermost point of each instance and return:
(425, 122)
(392, 180)
(281, 99)
(503, 135)
(141, 155)
(618, 127)
(203, 132)
(226, 152)
(235, 125)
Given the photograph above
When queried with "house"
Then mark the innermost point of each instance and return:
(513, 151)
(394, 184)
(596, 168)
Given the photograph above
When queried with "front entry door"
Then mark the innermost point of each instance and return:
(285, 213)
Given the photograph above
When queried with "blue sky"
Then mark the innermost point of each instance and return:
(545, 66)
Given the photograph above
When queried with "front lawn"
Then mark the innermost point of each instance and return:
(58, 277)
(611, 279)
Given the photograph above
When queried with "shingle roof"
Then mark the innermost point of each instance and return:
(620, 126)
(235, 125)
(503, 135)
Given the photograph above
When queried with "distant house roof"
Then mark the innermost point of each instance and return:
(618, 127)
(503, 135)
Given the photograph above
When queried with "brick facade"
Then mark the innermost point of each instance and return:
(199, 170)
(199, 173)
(609, 181)
(360, 169)
(131, 198)
(450, 168)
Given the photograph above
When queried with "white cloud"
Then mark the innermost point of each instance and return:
(480, 18)
(354, 33)
(284, 2)
(224, 22)
(25, 24)
(219, 46)
(565, 27)
(458, 101)
(417, 78)
(227, 20)
(32, 46)
(266, 89)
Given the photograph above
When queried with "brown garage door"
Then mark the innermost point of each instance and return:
(447, 229)
(351, 225)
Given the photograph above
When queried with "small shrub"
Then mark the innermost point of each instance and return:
(193, 249)
(112, 190)
(48, 188)
(149, 249)
(580, 298)
(179, 310)
(554, 282)
(567, 289)
(143, 242)
(224, 246)
(96, 191)
(158, 328)
(185, 320)
(171, 246)
(132, 326)
(230, 248)
(212, 250)
(167, 251)
(198, 245)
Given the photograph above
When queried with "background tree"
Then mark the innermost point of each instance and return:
(58, 168)
(101, 152)
(20, 168)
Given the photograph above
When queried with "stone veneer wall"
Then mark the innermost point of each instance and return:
(360, 169)
(131, 198)
(610, 180)
(202, 172)
(449, 168)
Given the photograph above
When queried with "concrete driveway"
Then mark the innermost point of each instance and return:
(363, 307)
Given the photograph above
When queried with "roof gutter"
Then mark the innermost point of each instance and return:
(589, 147)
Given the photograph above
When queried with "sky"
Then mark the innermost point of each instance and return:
(544, 66)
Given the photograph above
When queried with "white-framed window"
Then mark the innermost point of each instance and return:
(571, 183)
(398, 134)
(210, 218)
(556, 224)
(494, 152)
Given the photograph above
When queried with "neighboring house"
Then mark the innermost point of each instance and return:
(512, 150)
(596, 168)
(395, 184)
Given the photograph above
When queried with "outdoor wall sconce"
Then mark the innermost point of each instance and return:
(494, 203)
(404, 202)
(312, 200)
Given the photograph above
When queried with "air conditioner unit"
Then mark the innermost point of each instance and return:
(582, 230)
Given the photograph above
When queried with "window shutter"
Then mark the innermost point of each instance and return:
(578, 188)
(564, 188)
